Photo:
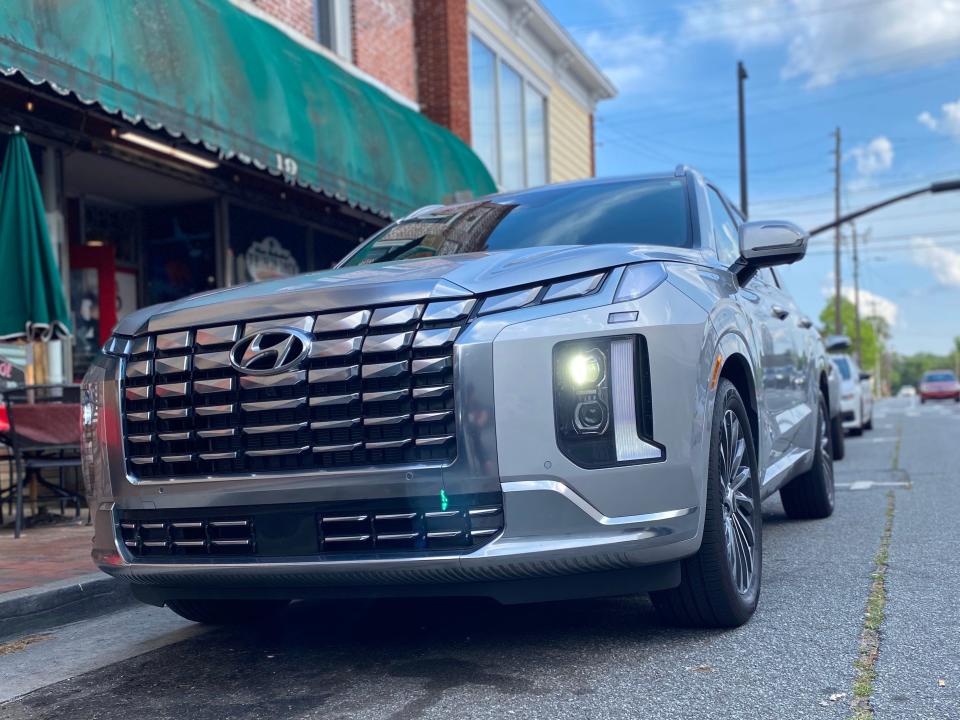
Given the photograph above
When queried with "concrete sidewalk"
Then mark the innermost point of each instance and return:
(44, 554)
(47, 579)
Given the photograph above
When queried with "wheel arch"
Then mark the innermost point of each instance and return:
(736, 368)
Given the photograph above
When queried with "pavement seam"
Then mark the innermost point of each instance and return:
(865, 672)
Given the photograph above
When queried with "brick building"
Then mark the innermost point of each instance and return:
(214, 142)
(501, 74)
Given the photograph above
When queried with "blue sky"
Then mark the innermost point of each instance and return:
(887, 72)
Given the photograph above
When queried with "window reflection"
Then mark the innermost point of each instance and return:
(637, 212)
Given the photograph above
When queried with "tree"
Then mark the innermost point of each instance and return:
(873, 331)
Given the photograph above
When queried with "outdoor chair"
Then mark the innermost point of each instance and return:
(42, 433)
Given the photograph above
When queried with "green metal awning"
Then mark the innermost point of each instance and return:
(211, 72)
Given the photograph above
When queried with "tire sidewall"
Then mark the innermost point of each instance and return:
(729, 399)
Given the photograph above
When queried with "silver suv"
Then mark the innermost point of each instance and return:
(577, 390)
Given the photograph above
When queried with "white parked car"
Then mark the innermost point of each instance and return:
(907, 391)
(856, 398)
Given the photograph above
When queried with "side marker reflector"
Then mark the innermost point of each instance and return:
(715, 375)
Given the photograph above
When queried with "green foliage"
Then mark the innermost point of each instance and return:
(874, 331)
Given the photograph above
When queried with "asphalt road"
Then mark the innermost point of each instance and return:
(587, 659)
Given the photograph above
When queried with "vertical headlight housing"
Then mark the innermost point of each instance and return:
(602, 405)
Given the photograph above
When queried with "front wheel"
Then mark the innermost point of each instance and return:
(811, 495)
(720, 585)
(226, 612)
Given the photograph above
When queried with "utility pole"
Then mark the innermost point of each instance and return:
(856, 289)
(741, 76)
(837, 320)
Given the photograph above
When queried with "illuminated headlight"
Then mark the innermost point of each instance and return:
(586, 369)
(602, 405)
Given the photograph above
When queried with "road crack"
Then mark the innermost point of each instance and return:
(865, 666)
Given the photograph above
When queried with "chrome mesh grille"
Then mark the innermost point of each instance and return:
(375, 389)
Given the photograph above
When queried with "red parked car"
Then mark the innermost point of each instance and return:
(939, 385)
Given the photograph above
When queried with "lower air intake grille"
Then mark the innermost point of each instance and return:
(152, 537)
(408, 529)
(316, 531)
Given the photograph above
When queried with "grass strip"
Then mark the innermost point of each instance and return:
(865, 666)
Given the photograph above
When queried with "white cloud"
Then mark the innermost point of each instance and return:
(825, 41)
(872, 158)
(942, 262)
(873, 305)
(946, 123)
(630, 58)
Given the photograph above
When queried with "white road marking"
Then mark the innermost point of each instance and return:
(869, 484)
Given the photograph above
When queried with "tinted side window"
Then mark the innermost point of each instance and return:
(724, 229)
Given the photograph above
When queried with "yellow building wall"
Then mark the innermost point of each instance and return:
(568, 123)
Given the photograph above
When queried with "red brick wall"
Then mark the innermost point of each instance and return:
(383, 43)
(442, 56)
(298, 14)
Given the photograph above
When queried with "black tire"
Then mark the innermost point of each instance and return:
(226, 612)
(712, 593)
(836, 432)
(811, 495)
(923, 400)
(868, 425)
(856, 431)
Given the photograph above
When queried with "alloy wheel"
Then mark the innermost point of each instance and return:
(739, 508)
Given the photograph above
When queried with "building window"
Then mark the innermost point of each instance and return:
(507, 120)
(333, 26)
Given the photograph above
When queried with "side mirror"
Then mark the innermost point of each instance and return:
(771, 242)
(865, 375)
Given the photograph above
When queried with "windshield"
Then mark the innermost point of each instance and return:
(844, 366)
(648, 212)
(939, 377)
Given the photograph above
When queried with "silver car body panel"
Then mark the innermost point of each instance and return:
(558, 518)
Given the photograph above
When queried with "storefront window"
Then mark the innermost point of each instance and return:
(483, 104)
(536, 135)
(511, 129)
(264, 247)
(179, 252)
(508, 120)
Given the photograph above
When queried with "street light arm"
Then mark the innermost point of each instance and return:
(843, 219)
(937, 187)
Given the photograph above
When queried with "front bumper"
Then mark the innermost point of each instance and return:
(850, 413)
(551, 532)
(594, 529)
(940, 394)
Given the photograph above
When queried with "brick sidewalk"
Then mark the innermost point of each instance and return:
(44, 554)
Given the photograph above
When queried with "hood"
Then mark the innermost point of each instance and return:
(448, 276)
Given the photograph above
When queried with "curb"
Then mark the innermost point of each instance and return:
(61, 602)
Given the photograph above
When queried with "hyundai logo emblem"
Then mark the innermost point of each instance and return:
(270, 351)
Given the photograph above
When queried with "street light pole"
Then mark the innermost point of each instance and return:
(741, 76)
(837, 320)
(856, 291)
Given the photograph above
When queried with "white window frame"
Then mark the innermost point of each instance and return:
(338, 13)
(502, 55)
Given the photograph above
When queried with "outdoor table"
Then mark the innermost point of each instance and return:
(41, 433)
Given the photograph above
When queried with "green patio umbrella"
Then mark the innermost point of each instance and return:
(32, 305)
